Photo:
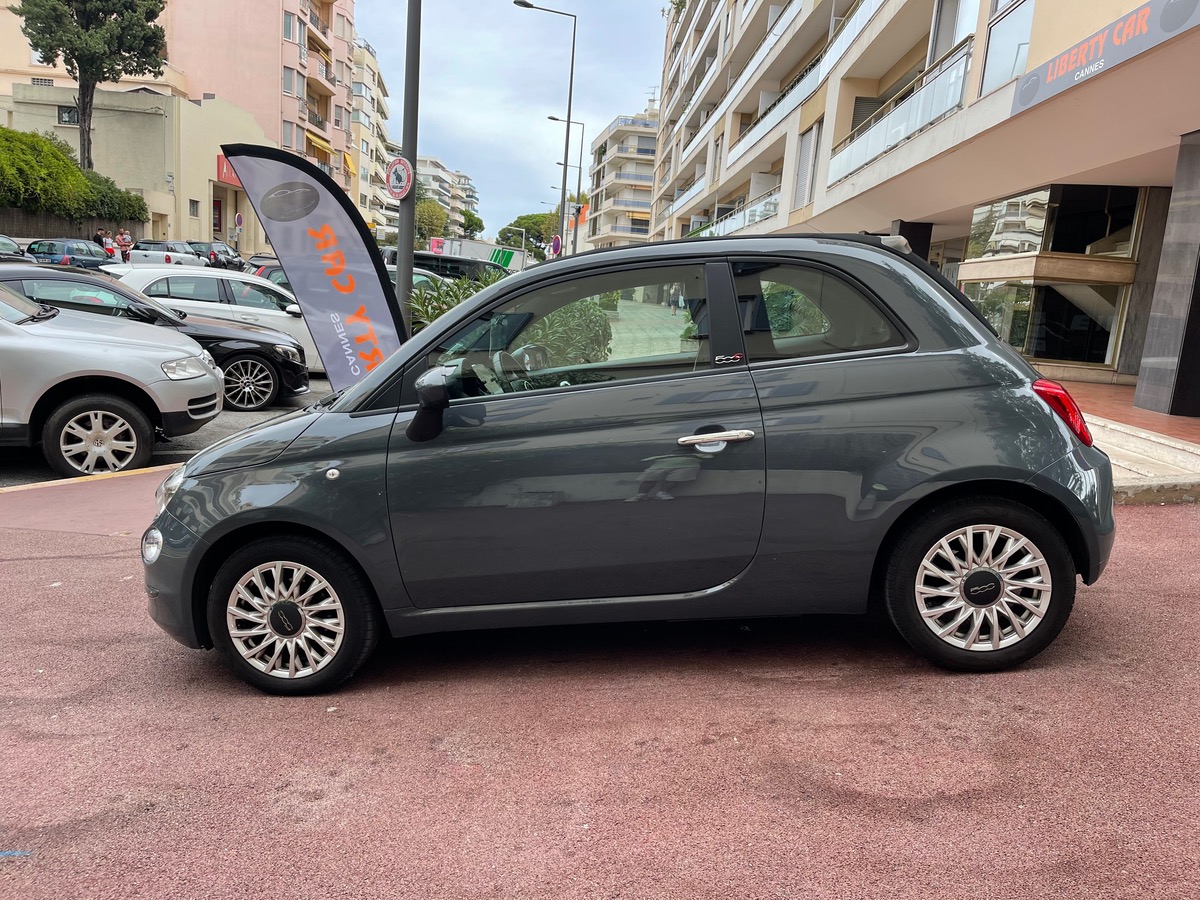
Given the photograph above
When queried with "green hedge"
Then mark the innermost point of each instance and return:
(39, 174)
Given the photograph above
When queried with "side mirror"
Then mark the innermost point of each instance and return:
(293, 309)
(433, 397)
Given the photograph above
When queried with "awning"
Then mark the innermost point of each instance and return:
(319, 142)
(350, 164)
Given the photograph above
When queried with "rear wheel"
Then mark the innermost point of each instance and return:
(97, 433)
(292, 615)
(980, 585)
(251, 383)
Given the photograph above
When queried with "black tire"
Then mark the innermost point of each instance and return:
(237, 390)
(358, 616)
(989, 579)
(73, 447)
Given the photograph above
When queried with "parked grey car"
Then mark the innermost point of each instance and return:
(95, 392)
(718, 428)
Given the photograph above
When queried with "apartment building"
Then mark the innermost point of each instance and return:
(622, 180)
(368, 125)
(454, 191)
(1032, 149)
(288, 64)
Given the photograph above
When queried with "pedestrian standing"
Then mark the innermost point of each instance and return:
(98, 237)
(124, 243)
(108, 245)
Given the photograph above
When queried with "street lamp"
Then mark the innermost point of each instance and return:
(525, 4)
(578, 183)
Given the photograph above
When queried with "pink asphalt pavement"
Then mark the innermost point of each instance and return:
(803, 758)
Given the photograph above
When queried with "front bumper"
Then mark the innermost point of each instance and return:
(189, 405)
(293, 377)
(168, 581)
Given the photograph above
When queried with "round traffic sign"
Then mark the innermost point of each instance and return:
(555, 245)
(399, 177)
(237, 220)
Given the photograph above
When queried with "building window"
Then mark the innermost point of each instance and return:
(287, 138)
(289, 80)
(362, 201)
(806, 166)
(955, 20)
(365, 148)
(194, 209)
(43, 82)
(1007, 46)
(68, 115)
(35, 59)
(339, 116)
(289, 26)
(339, 26)
(217, 217)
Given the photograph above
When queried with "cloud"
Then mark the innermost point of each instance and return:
(491, 73)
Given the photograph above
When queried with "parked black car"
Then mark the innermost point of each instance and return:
(69, 252)
(446, 265)
(719, 428)
(273, 272)
(219, 254)
(259, 365)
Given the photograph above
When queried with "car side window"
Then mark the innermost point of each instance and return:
(791, 311)
(593, 329)
(76, 295)
(257, 296)
(185, 288)
(278, 277)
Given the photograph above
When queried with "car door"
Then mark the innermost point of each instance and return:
(568, 481)
(191, 294)
(266, 307)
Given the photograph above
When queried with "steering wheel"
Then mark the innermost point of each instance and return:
(508, 370)
(533, 357)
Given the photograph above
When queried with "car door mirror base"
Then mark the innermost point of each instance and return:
(293, 309)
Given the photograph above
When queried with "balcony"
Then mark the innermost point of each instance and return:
(316, 118)
(684, 197)
(627, 229)
(632, 122)
(627, 203)
(941, 94)
(636, 151)
(766, 206)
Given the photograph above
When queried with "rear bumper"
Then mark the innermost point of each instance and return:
(1083, 482)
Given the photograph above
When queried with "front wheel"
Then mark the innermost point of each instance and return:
(980, 585)
(97, 433)
(251, 383)
(292, 615)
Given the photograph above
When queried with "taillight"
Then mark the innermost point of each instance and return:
(1065, 406)
(212, 255)
(260, 270)
(65, 261)
(168, 258)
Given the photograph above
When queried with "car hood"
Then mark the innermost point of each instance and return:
(107, 330)
(222, 329)
(255, 446)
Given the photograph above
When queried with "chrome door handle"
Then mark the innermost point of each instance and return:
(715, 441)
(248, 318)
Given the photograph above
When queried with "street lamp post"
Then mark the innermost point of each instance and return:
(578, 182)
(525, 4)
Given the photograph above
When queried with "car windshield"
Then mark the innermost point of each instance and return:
(14, 307)
(7, 245)
(121, 287)
(200, 245)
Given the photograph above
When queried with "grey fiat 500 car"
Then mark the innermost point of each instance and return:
(700, 429)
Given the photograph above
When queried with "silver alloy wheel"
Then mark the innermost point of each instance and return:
(285, 619)
(248, 383)
(98, 440)
(983, 587)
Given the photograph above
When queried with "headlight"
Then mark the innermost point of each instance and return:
(167, 490)
(181, 369)
(208, 359)
(152, 544)
(289, 353)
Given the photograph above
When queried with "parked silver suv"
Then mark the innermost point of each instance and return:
(94, 390)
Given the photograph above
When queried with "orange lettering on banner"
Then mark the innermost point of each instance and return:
(347, 288)
(336, 262)
(325, 237)
(375, 356)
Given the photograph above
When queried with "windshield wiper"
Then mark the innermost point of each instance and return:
(44, 312)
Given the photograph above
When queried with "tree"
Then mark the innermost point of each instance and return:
(472, 224)
(539, 229)
(431, 220)
(100, 41)
(573, 200)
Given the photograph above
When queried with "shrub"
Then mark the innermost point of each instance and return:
(433, 298)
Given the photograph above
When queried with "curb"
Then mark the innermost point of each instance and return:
(85, 479)
(1155, 491)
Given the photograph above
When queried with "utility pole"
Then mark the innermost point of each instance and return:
(407, 223)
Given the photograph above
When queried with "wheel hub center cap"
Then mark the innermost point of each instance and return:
(286, 619)
(982, 587)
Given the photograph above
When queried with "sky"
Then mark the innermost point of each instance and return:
(491, 73)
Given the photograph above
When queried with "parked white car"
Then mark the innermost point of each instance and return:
(223, 294)
(172, 253)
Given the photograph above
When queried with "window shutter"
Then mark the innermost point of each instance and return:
(805, 166)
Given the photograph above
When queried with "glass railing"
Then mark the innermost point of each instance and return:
(941, 93)
(631, 122)
(633, 176)
(764, 207)
(630, 229)
(640, 151)
(632, 204)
